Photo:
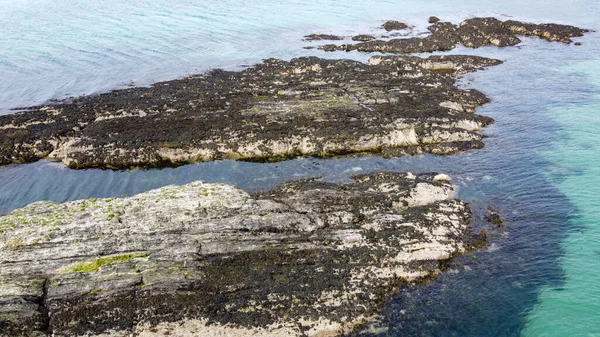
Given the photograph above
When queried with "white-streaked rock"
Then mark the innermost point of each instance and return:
(212, 260)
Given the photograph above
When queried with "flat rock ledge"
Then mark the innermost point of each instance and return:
(273, 111)
(473, 33)
(308, 258)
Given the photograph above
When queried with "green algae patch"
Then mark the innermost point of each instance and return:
(95, 292)
(94, 266)
(6, 225)
(42, 214)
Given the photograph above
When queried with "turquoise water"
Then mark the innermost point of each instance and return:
(537, 277)
(573, 308)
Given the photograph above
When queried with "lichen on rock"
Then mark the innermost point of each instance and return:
(308, 258)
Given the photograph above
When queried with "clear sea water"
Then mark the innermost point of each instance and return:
(539, 276)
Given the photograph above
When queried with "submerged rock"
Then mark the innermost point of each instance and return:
(319, 37)
(275, 110)
(308, 258)
(473, 33)
(493, 217)
(363, 38)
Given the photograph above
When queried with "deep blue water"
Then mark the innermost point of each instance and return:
(50, 50)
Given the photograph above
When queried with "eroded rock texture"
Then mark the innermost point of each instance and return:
(273, 111)
(307, 258)
(473, 33)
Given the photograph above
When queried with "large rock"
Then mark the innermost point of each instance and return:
(273, 111)
(473, 33)
(433, 19)
(308, 258)
(394, 25)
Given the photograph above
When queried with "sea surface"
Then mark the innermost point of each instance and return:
(540, 168)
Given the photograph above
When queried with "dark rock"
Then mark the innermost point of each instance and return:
(269, 112)
(363, 38)
(433, 19)
(548, 31)
(394, 25)
(409, 45)
(209, 259)
(473, 33)
(319, 37)
(494, 218)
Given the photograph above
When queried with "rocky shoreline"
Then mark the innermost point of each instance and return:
(472, 33)
(277, 110)
(273, 111)
(308, 258)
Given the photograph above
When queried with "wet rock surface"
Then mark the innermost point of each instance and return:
(308, 258)
(492, 216)
(394, 25)
(473, 33)
(275, 110)
(363, 37)
(433, 19)
(319, 37)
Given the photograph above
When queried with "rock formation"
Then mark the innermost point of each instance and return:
(308, 258)
(278, 109)
(273, 111)
(394, 25)
(363, 37)
(473, 33)
(319, 37)
(433, 19)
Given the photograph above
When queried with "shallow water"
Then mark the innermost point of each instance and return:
(537, 277)
(574, 306)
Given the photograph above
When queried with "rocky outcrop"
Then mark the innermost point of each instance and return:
(473, 33)
(319, 37)
(308, 258)
(433, 19)
(394, 25)
(363, 38)
(276, 110)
